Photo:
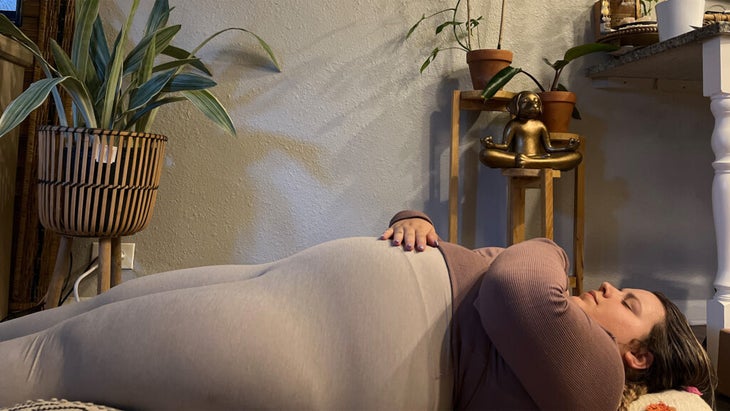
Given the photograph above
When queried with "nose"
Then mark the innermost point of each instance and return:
(608, 289)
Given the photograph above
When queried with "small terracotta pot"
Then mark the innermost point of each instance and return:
(485, 63)
(557, 109)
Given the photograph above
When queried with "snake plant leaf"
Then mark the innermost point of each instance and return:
(99, 49)
(261, 41)
(114, 76)
(161, 38)
(148, 109)
(174, 64)
(499, 80)
(188, 81)
(206, 102)
(63, 62)
(86, 13)
(181, 54)
(26, 102)
(157, 17)
(148, 90)
(9, 29)
(147, 65)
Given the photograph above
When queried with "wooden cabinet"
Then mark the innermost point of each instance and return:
(13, 62)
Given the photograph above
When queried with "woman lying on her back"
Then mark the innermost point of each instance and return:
(358, 323)
(535, 337)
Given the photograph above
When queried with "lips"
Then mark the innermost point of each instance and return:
(593, 294)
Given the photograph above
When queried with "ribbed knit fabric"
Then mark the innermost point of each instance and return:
(519, 343)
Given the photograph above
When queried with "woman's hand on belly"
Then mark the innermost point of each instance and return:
(412, 233)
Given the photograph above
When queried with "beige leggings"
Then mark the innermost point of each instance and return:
(348, 324)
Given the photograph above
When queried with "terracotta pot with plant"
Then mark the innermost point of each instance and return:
(483, 63)
(100, 168)
(558, 102)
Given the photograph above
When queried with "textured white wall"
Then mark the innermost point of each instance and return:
(350, 132)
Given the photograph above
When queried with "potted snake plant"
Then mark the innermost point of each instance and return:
(483, 62)
(558, 102)
(100, 167)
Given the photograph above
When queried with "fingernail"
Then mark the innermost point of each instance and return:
(436, 244)
(420, 247)
(409, 246)
(396, 242)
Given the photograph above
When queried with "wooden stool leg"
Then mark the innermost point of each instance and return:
(116, 264)
(60, 271)
(454, 169)
(516, 213)
(546, 200)
(105, 253)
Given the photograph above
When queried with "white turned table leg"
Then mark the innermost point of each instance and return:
(716, 85)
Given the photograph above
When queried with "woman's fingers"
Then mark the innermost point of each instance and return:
(412, 234)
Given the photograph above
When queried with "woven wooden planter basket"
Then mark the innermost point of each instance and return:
(97, 183)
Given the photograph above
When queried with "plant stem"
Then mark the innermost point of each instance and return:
(468, 24)
(554, 85)
(466, 47)
(501, 26)
(534, 79)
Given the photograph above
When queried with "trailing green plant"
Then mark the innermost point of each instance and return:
(116, 90)
(505, 75)
(461, 31)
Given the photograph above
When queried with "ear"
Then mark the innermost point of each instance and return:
(514, 105)
(638, 358)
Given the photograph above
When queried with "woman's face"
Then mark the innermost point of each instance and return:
(629, 314)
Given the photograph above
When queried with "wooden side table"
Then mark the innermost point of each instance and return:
(519, 180)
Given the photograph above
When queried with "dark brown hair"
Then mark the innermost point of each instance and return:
(680, 361)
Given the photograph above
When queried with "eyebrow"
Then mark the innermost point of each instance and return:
(633, 296)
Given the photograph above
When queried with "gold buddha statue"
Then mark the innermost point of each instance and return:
(526, 140)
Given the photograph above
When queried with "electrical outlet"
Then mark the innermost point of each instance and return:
(127, 254)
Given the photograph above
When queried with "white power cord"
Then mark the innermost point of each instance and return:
(81, 277)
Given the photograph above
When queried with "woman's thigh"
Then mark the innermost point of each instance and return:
(349, 323)
(150, 284)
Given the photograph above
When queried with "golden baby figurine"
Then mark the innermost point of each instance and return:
(526, 140)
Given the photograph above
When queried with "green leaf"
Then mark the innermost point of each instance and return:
(584, 49)
(63, 62)
(206, 102)
(87, 12)
(99, 49)
(147, 65)
(161, 38)
(442, 26)
(429, 59)
(137, 117)
(114, 77)
(148, 90)
(260, 40)
(413, 28)
(188, 81)
(499, 81)
(81, 99)
(25, 103)
(9, 29)
(181, 54)
(175, 64)
(158, 16)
